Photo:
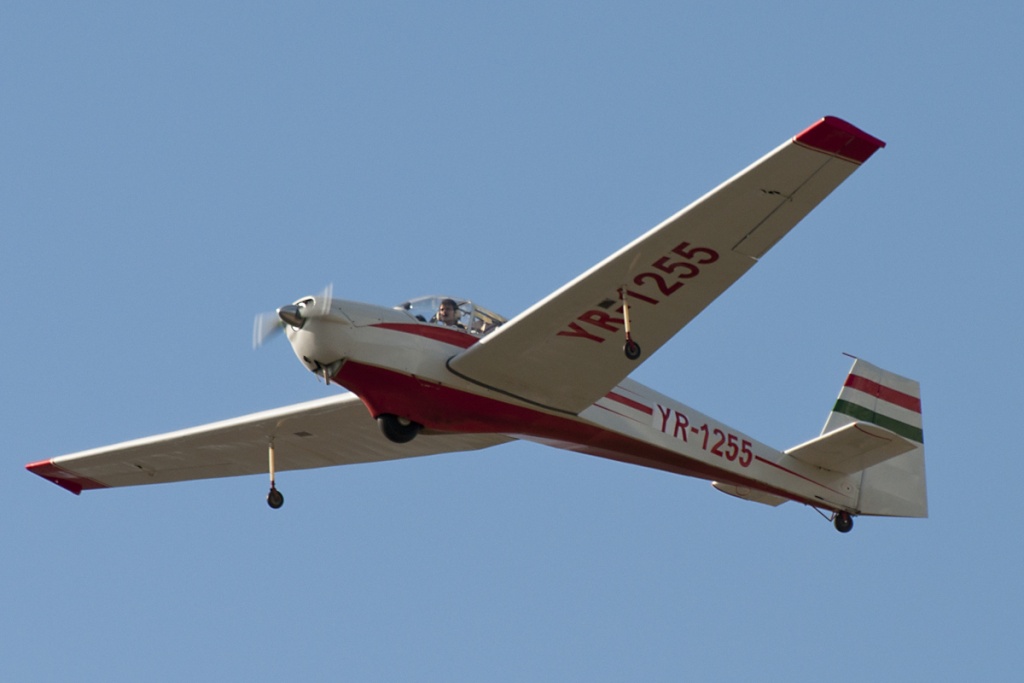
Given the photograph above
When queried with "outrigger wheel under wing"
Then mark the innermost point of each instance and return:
(566, 351)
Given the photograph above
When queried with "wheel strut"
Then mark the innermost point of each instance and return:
(274, 498)
(631, 348)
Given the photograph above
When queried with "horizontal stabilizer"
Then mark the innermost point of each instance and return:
(852, 448)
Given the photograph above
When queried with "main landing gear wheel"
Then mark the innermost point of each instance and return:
(631, 349)
(843, 522)
(275, 499)
(398, 429)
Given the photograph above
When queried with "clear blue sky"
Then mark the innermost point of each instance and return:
(170, 170)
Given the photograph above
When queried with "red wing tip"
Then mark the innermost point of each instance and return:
(835, 136)
(66, 480)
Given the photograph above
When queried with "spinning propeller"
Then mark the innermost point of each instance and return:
(268, 324)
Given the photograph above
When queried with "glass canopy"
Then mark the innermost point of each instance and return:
(467, 315)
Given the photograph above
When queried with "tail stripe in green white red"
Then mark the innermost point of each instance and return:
(882, 398)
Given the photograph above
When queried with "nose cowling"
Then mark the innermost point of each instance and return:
(319, 344)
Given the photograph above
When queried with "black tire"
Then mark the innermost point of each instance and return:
(275, 499)
(396, 429)
(843, 522)
(631, 349)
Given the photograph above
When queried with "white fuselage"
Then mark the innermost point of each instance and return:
(398, 365)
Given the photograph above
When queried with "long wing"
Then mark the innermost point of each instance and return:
(331, 431)
(566, 351)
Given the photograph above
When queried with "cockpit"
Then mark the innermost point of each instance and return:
(453, 312)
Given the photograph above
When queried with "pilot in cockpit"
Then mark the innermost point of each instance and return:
(448, 314)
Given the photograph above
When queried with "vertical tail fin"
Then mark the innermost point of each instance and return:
(895, 487)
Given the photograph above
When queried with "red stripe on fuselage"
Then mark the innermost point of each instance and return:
(447, 409)
(630, 402)
(885, 393)
(448, 335)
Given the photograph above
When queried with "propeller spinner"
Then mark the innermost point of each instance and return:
(267, 325)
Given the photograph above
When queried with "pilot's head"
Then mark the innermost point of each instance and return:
(448, 312)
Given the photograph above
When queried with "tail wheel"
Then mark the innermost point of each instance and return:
(398, 429)
(843, 522)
